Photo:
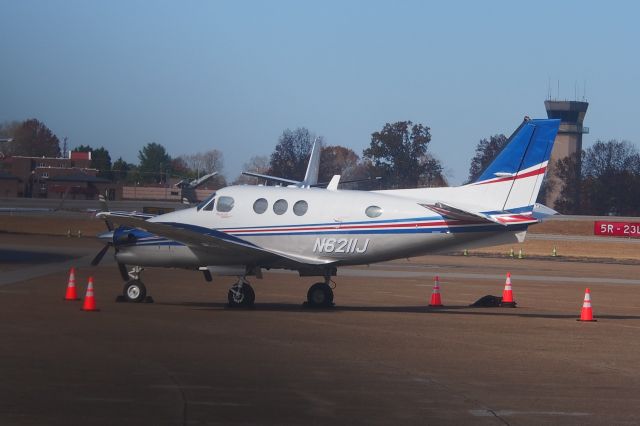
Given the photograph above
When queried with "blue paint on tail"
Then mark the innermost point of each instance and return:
(529, 145)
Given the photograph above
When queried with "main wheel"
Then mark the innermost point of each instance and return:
(244, 297)
(320, 295)
(134, 291)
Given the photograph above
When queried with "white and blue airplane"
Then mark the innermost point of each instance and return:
(243, 230)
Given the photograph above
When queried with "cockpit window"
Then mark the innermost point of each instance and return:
(209, 206)
(225, 204)
(208, 202)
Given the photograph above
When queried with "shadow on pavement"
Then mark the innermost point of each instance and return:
(446, 310)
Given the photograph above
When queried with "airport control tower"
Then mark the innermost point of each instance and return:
(569, 139)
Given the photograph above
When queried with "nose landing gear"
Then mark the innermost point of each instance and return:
(134, 290)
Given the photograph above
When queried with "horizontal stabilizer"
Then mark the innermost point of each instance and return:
(504, 218)
(450, 212)
(540, 211)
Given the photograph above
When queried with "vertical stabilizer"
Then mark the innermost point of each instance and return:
(512, 181)
(313, 168)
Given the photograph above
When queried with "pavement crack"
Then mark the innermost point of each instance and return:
(497, 416)
(183, 396)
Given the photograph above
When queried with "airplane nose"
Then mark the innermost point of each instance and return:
(106, 236)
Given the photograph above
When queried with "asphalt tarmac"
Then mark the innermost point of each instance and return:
(381, 356)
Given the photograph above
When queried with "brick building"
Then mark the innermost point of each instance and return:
(44, 177)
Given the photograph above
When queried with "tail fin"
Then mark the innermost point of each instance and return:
(514, 178)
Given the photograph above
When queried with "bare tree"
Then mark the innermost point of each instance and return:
(256, 164)
(203, 163)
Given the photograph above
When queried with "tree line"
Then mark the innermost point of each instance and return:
(398, 154)
(603, 179)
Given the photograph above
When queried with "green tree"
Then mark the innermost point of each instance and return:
(32, 138)
(604, 179)
(567, 173)
(121, 171)
(337, 160)
(399, 155)
(290, 157)
(611, 172)
(155, 163)
(100, 160)
(486, 151)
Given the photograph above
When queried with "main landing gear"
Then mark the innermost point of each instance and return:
(320, 295)
(134, 290)
(241, 294)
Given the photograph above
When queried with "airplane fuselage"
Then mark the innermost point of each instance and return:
(340, 227)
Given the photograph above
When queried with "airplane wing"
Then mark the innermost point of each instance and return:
(203, 238)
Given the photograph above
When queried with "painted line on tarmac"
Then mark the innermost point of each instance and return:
(34, 271)
(596, 239)
(354, 272)
(508, 413)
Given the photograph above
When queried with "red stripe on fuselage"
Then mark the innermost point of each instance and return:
(364, 226)
(524, 175)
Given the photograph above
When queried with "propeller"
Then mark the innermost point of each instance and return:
(96, 260)
(108, 236)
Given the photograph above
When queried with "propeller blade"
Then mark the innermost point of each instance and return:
(100, 255)
(105, 208)
(123, 271)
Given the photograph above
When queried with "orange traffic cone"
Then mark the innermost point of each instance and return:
(586, 314)
(89, 300)
(71, 286)
(507, 294)
(436, 301)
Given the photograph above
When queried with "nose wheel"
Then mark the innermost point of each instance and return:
(241, 295)
(134, 291)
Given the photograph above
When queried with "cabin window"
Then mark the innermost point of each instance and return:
(260, 205)
(225, 204)
(373, 211)
(300, 207)
(280, 207)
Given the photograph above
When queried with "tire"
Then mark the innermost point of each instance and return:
(320, 295)
(247, 300)
(134, 291)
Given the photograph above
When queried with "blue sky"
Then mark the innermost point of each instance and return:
(233, 75)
